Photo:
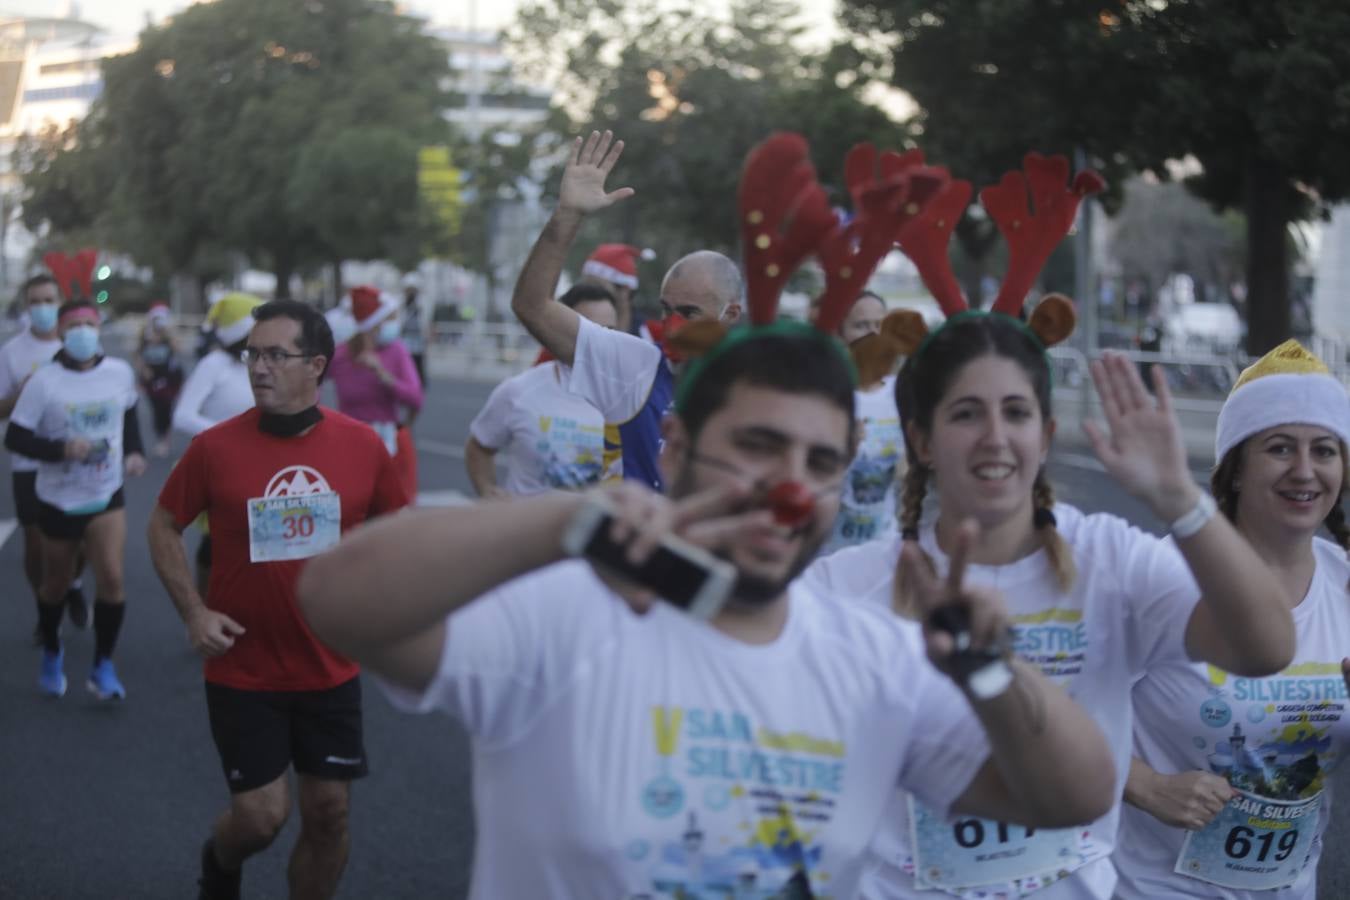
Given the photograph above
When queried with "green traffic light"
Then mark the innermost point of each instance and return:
(103, 272)
(101, 297)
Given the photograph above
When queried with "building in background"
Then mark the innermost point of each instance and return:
(1331, 290)
(50, 73)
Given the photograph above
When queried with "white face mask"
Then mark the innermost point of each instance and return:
(81, 342)
(388, 331)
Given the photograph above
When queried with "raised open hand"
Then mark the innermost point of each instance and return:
(1143, 449)
(583, 182)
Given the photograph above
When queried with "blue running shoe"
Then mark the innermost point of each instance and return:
(52, 676)
(103, 682)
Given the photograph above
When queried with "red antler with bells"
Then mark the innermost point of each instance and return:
(1033, 236)
(784, 215)
(888, 194)
(925, 241)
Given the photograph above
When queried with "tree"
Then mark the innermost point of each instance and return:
(287, 131)
(1254, 91)
(1162, 230)
(690, 93)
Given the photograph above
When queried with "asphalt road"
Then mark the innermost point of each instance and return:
(100, 801)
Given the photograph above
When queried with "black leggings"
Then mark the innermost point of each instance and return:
(161, 408)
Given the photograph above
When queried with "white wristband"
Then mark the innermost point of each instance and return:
(1194, 520)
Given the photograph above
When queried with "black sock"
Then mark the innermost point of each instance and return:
(107, 625)
(49, 620)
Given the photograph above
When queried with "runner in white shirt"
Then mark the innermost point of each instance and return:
(217, 389)
(1095, 602)
(627, 378)
(20, 357)
(623, 756)
(1229, 793)
(867, 511)
(551, 439)
(77, 417)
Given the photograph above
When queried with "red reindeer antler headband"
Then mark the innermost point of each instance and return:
(1032, 229)
(77, 268)
(785, 217)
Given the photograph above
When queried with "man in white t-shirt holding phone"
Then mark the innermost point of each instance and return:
(653, 754)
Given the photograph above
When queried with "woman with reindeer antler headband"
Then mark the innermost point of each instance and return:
(1095, 602)
(748, 754)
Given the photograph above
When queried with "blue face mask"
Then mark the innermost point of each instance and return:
(42, 316)
(81, 342)
(388, 332)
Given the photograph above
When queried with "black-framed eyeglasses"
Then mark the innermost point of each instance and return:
(271, 356)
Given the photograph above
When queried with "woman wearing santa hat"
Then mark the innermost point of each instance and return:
(376, 379)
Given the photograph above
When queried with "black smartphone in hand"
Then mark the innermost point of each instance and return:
(678, 572)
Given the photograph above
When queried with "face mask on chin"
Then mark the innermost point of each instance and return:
(42, 316)
(81, 342)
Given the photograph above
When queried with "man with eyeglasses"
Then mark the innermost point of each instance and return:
(279, 483)
(624, 377)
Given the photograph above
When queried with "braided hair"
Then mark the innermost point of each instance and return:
(924, 380)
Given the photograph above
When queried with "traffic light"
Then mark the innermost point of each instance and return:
(103, 272)
(101, 296)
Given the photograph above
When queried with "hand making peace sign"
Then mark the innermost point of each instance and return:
(988, 622)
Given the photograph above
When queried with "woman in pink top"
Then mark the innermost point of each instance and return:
(376, 379)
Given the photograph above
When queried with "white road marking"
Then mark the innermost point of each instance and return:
(454, 451)
(443, 498)
(7, 527)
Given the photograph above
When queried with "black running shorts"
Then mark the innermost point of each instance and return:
(25, 498)
(59, 525)
(258, 734)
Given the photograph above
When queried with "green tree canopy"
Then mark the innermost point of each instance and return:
(1256, 92)
(288, 131)
(690, 93)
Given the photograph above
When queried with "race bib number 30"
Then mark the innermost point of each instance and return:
(281, 528)
(968, 853)
(1255, 844)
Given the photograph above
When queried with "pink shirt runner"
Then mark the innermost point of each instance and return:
(361, 394)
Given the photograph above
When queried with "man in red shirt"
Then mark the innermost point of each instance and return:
(279, 483)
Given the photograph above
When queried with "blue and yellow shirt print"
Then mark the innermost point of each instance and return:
(745, 807)
(638, 440)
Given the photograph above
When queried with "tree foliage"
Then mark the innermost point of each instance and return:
(287, 131)
(690, 93)
(1255, 91)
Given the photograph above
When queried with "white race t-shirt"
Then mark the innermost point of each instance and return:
(217, 389)
(20, 357)
(612, 371)
(60, 404)
(867, 507)
(552, 438)
(1276, 738)
(1127, 612)
(624, 756)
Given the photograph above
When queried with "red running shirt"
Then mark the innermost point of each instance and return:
(223, 469)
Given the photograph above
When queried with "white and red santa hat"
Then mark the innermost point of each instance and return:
(370, 307)
(616, 263)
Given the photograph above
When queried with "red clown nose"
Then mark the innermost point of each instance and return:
(792, 503)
